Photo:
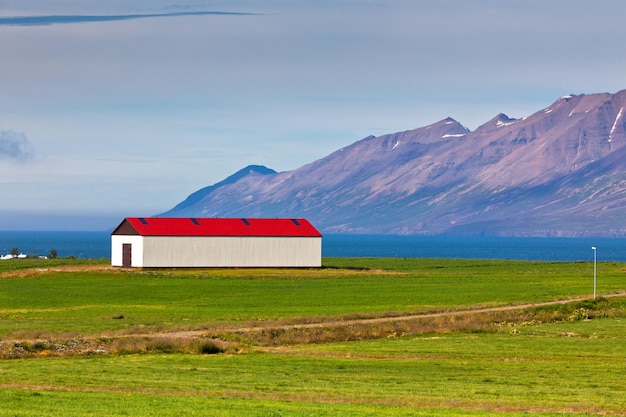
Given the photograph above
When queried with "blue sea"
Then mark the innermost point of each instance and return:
(98, 245)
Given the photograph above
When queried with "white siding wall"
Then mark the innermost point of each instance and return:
(137, 250)
(178, 251)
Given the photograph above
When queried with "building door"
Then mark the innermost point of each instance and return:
(127, 253)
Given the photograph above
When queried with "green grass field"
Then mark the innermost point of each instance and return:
(542, 361)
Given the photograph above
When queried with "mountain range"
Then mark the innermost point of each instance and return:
(558, 172)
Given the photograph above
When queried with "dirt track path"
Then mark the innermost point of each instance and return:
(86, 344)
(350, 322)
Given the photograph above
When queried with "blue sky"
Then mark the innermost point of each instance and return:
(123, 108)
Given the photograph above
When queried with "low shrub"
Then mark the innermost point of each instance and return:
(164, 344)
(208, 347)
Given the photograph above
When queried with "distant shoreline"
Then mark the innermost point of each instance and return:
(97, 245)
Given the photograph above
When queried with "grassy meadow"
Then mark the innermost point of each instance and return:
(304, 342)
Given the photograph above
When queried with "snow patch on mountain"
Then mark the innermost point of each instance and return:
(619, 116)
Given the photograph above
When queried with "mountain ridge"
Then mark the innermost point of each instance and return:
(556, 172)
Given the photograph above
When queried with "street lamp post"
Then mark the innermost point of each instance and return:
(593, 248)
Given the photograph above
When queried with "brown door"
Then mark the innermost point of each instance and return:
(127, 252)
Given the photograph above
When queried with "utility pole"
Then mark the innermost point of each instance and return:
(593, 248)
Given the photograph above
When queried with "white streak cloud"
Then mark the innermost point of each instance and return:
(69, 19)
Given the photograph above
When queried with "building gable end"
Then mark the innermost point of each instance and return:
(125, 228)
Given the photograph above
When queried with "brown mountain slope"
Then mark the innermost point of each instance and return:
(546, 174)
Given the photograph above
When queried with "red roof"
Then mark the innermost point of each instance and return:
(168, 226)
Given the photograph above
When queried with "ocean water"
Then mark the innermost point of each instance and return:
(98, 245)
(77, 244)
(475, 247)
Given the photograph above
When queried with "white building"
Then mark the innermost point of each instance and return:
(212, 242)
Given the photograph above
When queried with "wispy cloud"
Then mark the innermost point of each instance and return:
(69, 19)
(15, 146)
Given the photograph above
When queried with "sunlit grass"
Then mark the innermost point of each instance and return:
(88, 301)
(561, 360)
(544, 370)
